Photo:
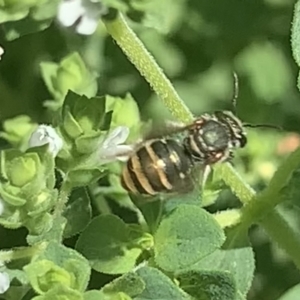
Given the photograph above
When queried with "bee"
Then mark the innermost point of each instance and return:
(163, 164)
(158, 166)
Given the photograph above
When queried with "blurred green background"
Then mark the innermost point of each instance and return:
(207, 41)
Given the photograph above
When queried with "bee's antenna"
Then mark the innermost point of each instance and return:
(235, 91)
(263, 126)
(234, 104)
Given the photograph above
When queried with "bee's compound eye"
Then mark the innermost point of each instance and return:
(243, 141)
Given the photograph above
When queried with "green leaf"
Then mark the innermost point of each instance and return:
(15, 274)
(55, 232)
(130, 284)
(70, 74)
(237, 259)
(151, 210)
(70, 265)
(191, 198)
(82, 119)
(106, 122)
(88, 112)
(38, 225)
(60, 293)
(47, 10)
(94, 295)
(48, 71)
(125, 112)
(48, 164)
(16, 29)
(158, 286)
(292, 294)
(82, 177)
(160, 15)
(185, 236)
(108, 244)
(88, 143)
(44, 275)
(19, 168)
(78, 212)
(17, 131)
(212, 285)
(120, 5)
(268, 70)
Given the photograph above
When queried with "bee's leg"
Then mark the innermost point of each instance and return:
(206, 172)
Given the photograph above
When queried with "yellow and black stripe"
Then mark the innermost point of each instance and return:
(159, 166)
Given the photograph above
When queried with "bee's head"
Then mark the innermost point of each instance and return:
(235, 128)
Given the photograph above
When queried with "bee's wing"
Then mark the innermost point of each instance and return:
(196, 180)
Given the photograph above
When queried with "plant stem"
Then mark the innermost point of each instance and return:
(256, 206)
(239, 187)
(284, 172)
(147, 66)
(284, 236)
(22, 252)
(63, 197)
(263, 203)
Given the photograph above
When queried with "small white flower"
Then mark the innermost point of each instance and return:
(113, 148)
(4, 282)
(84, 14)
(1, 52)
(1, 206)
(45, 134)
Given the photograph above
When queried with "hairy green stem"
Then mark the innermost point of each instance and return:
(63, 197)
(283, 235)
(239, 187)
(146, 65)
(256, 207)
(22, 252)
(263, 203)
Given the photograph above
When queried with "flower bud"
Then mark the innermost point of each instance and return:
(70, 74)
(22, 171)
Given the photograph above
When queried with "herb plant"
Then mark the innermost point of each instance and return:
(68, 228)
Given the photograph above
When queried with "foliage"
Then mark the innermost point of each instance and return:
(68, 228)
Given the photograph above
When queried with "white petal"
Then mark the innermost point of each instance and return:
(121, 152)
(87, 25)
(45, 134)
(4, 282)
(117, 152)
(69, 11)
(1, 206)
(1, 52)
(118, 136)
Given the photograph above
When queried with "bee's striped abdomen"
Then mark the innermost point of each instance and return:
(158, 166)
